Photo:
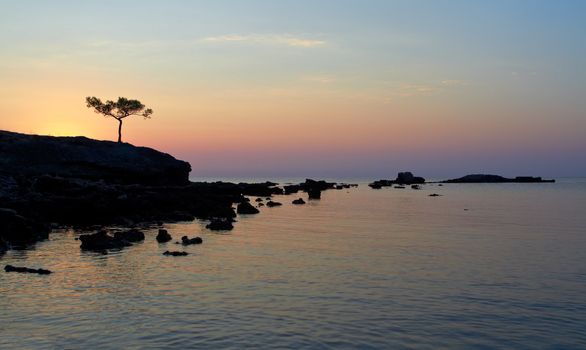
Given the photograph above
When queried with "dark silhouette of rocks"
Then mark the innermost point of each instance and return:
(220, 224)
(16, 230)
(261, 205)
(403, 178)
(416, 187)
(290, 189)
(175, 253)
(131, 236)
(483, 178)
(246, 208)
(84, 183)
(435, 195)
(314, 194)
(259, 200)
(4, 246)
(163, 236)
(10, 268)
(83, 158)
(271, 204)
(102, 241)
(298, 201)
(407, 178)
(189, 241)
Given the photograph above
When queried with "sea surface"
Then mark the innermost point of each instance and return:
(484, 266)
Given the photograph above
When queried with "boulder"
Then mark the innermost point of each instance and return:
(298, 201)
(271, 204)
(163, 236)
(246, 208)
(189, 241)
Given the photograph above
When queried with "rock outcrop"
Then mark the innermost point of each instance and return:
(84, 158)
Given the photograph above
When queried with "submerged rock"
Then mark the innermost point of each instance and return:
(435, 195)
(175, 253)
(298, 201)
(273, 204)
(10, 268)
(163, 236)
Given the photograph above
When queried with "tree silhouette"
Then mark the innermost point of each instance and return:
(118, 110)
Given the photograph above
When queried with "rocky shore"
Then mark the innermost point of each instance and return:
(48, 182)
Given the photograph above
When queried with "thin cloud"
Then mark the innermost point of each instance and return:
(454, 82)
(323, 79)
(286, 40)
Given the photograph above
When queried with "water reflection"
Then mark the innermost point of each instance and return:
(364, 269)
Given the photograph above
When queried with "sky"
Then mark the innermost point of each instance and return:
(331, 89)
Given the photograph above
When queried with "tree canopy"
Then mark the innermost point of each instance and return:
(118, 110)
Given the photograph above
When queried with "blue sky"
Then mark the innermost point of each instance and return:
(442, 87)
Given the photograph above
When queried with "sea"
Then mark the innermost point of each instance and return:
(482, 266)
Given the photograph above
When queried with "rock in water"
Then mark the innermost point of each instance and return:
(314, 194)
(189, 241)
(273, 204)
(101, 241)
(163, 236)
(298, 201)
(220, 225)
(175, 253)
(132, 235)
(246, 208)
(10, 268)
(407, 178)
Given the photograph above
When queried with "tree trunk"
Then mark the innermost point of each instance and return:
(119, 130)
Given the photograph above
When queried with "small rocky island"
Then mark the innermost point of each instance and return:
(483, 178)
(407, 178)
(48, 182)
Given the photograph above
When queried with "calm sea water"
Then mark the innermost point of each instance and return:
(483, 266)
